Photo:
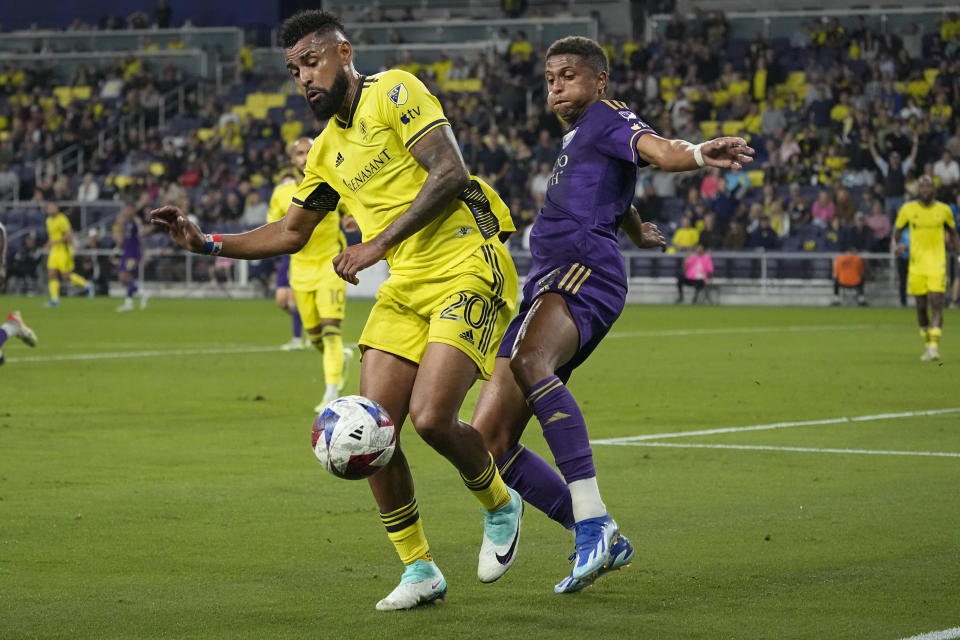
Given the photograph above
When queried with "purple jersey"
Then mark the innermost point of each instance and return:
(590, 189)
(131, 240)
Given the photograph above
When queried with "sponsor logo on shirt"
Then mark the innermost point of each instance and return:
(467, 336)
(398, 95)
(339, 160)
(626, 114)
(462, 232)
(568, 137)
(409, 115)
(368, 171)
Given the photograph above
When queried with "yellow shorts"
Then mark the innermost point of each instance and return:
(920, 284)
(468, 308)
(326, 302)
(60, 260)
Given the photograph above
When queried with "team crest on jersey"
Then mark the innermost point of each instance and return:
(569, 137)
(626, 114)
(398, 95)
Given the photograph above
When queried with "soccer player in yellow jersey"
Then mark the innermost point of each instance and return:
(320, 294)
(927, 273)
(60, 261)
(390, 154)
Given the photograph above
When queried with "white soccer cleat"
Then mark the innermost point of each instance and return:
(932, 353)
(422, 583)
(294, 344)
(24, 332)
(144, 296)
(501, 532)
(127, 305)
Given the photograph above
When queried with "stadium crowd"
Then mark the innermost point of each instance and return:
(844, 121)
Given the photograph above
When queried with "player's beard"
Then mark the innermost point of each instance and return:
(330, 104)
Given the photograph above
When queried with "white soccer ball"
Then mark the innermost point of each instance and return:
(353, 437)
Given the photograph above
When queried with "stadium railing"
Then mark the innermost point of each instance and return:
(224, 41)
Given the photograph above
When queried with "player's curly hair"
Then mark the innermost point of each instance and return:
(303, 23)
(586, 48)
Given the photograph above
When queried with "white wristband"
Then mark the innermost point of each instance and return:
(698, 155)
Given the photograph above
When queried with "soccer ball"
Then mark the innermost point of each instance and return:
(353, 437)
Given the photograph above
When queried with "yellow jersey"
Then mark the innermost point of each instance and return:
(57, 227)
(366, 162)
(927, 242)
(315, 259)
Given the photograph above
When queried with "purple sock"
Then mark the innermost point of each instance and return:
(131, 288)
(539, 483)
(563, 428)
(297, 323)
(3, 336)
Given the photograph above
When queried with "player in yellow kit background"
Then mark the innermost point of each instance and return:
(927, 273)
(60, 261)
(319, 294)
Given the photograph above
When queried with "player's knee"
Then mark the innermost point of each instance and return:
(528, 367)
(429, 421)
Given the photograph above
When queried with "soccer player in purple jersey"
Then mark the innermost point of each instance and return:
(126, 234)
(575, 290)
(14, 326)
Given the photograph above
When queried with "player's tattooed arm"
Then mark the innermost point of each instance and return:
(447, 177)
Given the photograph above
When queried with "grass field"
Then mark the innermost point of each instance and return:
(156, 481)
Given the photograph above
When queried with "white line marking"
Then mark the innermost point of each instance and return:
(775, 425)
(158, 353)
(736, 330)
(750, 447)
(946, 634)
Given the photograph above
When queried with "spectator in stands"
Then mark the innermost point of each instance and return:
(947, 170)
(880, 228)
(858, 235)
(89, 190)
(710, 237)
(538, 185)
(292, 127)
(686, 237)
(736, 237)
(24, 269)
(255, 210)
(764, 237)
(894, 173)
(9, 183)
(823, 209)
(697, 271)
(848, 273)
(846, 207)
(779, 218)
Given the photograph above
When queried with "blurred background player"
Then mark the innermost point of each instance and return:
(14, 326)
(440, 315)
(575, 291)
(320, 294)
(60, 261)
(126, 235)
(927, 219)
(279, 201)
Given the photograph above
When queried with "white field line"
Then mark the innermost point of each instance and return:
(735, 330)
(749, 447)
(158, 353)
(946, 634)
(775, 425)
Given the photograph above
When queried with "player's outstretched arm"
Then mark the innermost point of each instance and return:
(645, 235)
(447, 177)
(680, 155)
(287, 235)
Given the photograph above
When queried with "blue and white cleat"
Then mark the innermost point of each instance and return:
(594, 537)
(501, 532)
(621, 555)
(422, 583)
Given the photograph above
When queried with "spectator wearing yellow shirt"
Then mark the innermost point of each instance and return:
(291, 129)
(686, 237)
(521, 46)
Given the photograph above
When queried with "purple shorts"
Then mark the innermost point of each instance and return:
(130, 260)
(595, 301)
(283, 271)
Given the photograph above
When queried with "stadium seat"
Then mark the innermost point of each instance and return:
(709, 128)
(756, 178)
(732, 127)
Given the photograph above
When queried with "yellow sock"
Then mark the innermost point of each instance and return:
(78, 281)
(489, 487)
(54, 286)
(332, 354)
(406, 533)
(925, 335)
(933, 336)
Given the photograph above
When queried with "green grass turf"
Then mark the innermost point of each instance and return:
(175, 496)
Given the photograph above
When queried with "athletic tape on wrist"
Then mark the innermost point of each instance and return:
(212, 244)
(698, 155)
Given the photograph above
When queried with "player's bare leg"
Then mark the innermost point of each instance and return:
(445, 376)
(923, 319)
(936, 324)
(388, 380)
(548, 339)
